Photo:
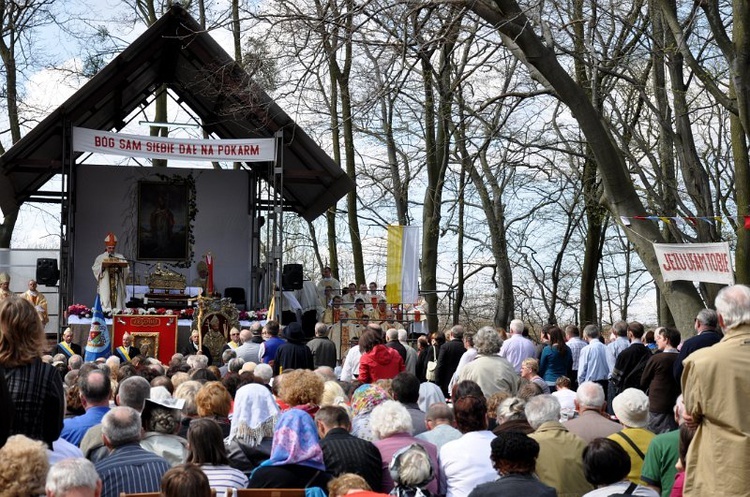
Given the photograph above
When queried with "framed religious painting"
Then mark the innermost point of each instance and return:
(163, 220)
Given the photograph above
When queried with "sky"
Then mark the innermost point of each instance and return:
(46, 89)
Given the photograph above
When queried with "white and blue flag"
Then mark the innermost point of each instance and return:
(98, 344)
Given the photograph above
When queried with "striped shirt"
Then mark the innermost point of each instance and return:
(575, 345)
(224, 477)
(131, 469)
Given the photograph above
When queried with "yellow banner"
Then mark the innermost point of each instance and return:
(394, 264)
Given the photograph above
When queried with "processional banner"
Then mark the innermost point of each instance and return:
(402, 265)
(706, 262)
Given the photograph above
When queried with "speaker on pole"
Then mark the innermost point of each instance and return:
(47, 272)
(291, 277)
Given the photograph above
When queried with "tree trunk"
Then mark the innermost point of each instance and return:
(741, 87)
(438, 93)
(742, 200)
(351, 170)
(459, 296)
(619, 190)
(6, 228)
(236, 33)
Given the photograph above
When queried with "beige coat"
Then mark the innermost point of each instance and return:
(560, 461)
(716, 387)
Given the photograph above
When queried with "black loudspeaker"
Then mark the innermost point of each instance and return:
(291, 277)
(47, 272)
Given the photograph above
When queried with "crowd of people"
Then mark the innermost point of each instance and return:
(467, 414)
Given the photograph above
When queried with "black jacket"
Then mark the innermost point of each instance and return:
(448, 359)
(345, 453)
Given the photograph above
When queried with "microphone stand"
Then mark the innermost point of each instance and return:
(134, 302)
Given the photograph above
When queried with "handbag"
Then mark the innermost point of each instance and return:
(431, 366)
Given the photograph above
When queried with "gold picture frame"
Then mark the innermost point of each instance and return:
(147, 343)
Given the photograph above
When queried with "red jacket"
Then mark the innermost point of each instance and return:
(381, 363)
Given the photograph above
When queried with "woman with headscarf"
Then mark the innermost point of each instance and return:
(364, 400)
(251, 433)
(296, 457)
(429, 393)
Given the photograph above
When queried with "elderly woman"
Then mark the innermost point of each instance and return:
(35, 387)
(511, 416)
(302, 389)
(492, 372)
(364, 399)
(513, 455)
(465, 463)
(214, 401)
(296, 457)
(333, 395)
(349, 484)
(253, 421)
(392, 428)
(206, 443)
(187, 391)
(530, 371)
(377, 361)
(25, 466)
(412, 472)
(161, 422)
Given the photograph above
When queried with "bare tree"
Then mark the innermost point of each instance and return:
(19, 23)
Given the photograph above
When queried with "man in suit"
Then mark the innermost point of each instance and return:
(67, 346)
(449, 357)
(126, 352)
(345, 453)
(707, 333)
(630, 363)
(592, 421)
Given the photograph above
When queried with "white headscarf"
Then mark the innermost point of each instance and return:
(429, 393)
(254, 416)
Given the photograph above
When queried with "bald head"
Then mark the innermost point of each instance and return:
(133, 392)
(96, 387)
(246, 335)
(321, 330)
(733, 306)
(439, 414)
